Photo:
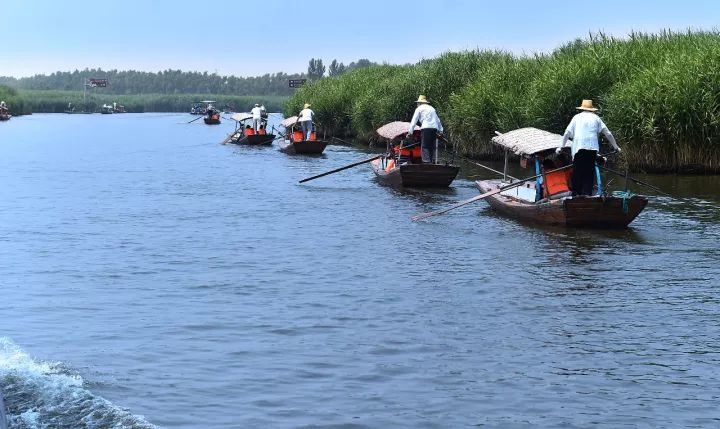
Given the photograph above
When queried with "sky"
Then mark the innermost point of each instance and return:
(250, 38)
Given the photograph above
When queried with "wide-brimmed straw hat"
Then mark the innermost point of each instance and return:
(306, 105)
(422, 99)
(587, 105)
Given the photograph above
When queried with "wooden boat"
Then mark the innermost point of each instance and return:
(106, 109)
(239, 136)
(295, 143)
(212, 116)
(197, 108)
(602, 210)
(4, 116)
(404, 167)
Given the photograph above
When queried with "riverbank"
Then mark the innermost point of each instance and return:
(657, 93)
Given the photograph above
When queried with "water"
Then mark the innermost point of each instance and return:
(154, 278)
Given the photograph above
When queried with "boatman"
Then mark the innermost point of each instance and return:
(256, 116)
(305, 117)
(430, 126)
(263, 115)
(584, 129)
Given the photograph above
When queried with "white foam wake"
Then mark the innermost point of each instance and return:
(41, 395)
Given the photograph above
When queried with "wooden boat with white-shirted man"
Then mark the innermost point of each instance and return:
(528, 202)
(403, 166)
(295, 142)
(248, 136)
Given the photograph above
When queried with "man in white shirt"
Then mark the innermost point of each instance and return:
(263, 115)
(306, 119)
(430, 126)
(584, 129)
(256, 116)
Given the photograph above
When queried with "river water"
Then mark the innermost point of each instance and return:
(154, 278)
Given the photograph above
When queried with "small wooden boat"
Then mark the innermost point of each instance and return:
(295, 143)
(213, 118)
(118, 108)
(106, 109)
(245, 135)
(197, 108)
(404, 167)
(526, 202)
(4, 112)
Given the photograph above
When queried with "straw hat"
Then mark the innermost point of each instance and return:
(306, 105)
(587, 105)
(422, 99)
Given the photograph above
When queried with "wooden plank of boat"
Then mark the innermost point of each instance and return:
(584, 211)
(254, 140)
(211, 121)
(416, 175)
(304, 147)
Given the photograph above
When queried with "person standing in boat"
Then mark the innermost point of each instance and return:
(430, 127)
(305, 117)
(256, 116)
(263, 116)
(584, 129)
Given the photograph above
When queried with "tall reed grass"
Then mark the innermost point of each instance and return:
(659, 94)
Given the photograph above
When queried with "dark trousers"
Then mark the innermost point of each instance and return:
(428, 137)
(583, 176)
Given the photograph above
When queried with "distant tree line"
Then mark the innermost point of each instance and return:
(179, 82)
(164, 82)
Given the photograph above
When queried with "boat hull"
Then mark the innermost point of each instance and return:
(211, 121)
(417, 175)
(582, 212)
(305, 147)
(254, 140)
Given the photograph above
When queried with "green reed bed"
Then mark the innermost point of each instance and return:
(658, 93)
(55, 101)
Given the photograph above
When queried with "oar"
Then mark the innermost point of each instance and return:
(639, 182)
(229, 137)
(199, 117)
(485, 195)
(335, 138)
(491, 169)
(341, 168)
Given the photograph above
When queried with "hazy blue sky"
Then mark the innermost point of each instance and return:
(235, 37)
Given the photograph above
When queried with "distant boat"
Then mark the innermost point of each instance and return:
(118, 108)
(197, 108)
(212, 116)
(106, 109)
(4, 112)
